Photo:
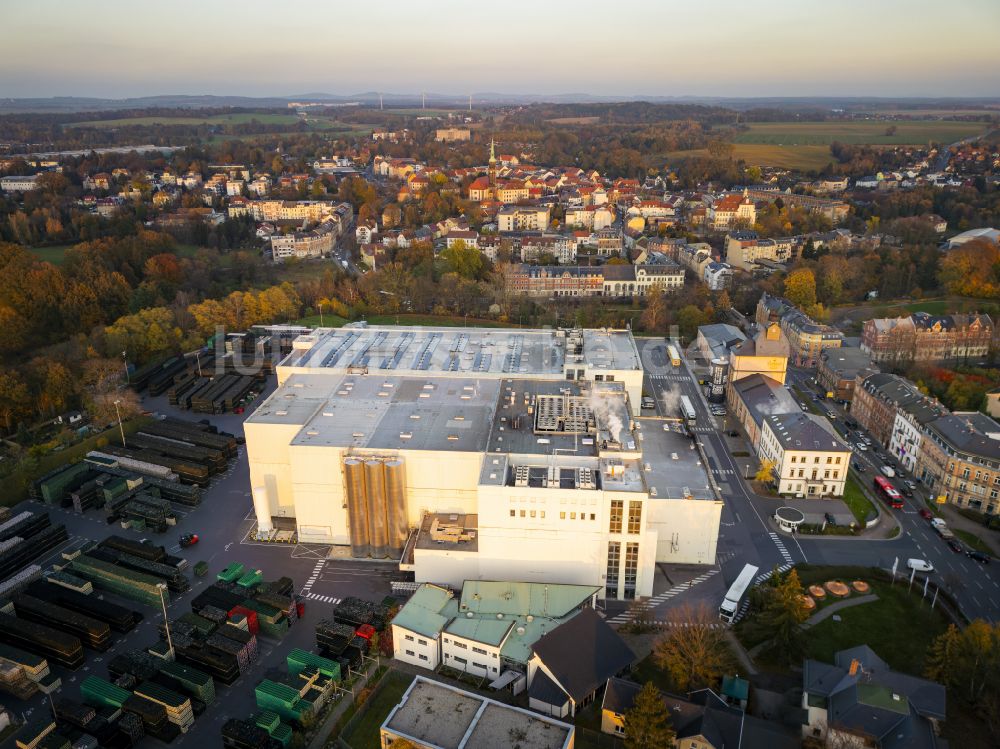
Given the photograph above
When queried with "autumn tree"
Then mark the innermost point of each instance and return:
(14, 402)
(654, 317)
(696, 654)
(967, 661)
(782, 611)
(800, 287)
(462, 259)
(689, 318)
(765, 473)
(647, 722)
(972, 269)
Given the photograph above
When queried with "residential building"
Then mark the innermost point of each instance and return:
(560, 247)
(312, 211)
(731, 211)
(744, 250)
(807, 339)
(316, 242)
(695, 257)
(637, 280)
(549, 281)
(959, 461)
(808, 457)
(908, 429)
(435, 715)
(366, 231)
(993, 403)
(835, 210)
(22, 183)
(717, 340)
(523, 218)
(877, 399)
(701, 720)
(860, 701)
(922, 337)
(571, 663)
(452, 134)
(545, 467)
(718, 276)
(838, 370)
(469, 237)
(593, 217)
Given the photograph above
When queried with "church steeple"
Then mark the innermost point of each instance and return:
(493, 168)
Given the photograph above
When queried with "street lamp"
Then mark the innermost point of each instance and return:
(166, 622)
(125, 358)
(321, 314)
(118, 413)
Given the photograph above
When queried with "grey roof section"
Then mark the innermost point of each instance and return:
(721, 338)
(966, 433)
(891, 706)
(545, 690)
(802, 431)
(583, 654)
(764, 396)
(847, 362)
(619, 695)
(760, 345)
(892, 389)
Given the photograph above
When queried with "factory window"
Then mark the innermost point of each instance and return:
(836, 474)
(480, 651)
(634, 516)
(793, 458)
(598, 378)
(512, 513)
(562, 515)
(410, 652)
(409, 638)
(617, 509)
(829, 459)
(826, 474)
(569, 375)
(422, 657)
(542, 513)
(459, 660)
(522, 513)
(816, 459)
(422, 642)
(532, 513)
(609, 378)
(838, 460)
(593, 516)
(614, 557)
(631, 569)
(572, 516)
(462, 645)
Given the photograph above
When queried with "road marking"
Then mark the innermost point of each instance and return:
(665, 596)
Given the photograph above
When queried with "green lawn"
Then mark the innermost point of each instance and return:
(365, 734)
(899, 627)
(907, 132)
(236, 118)
(55, 254)
(972, 541)
(797, 158)
(855, 498)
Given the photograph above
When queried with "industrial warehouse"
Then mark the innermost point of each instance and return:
(481, 454)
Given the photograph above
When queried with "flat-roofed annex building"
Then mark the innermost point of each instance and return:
(481, 454)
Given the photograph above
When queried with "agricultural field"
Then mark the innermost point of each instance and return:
(574, 120)
(237, 118)
(915, 132)
(799, 158)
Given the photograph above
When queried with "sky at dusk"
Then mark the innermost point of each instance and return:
(114, 48)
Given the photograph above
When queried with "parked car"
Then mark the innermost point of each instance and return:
(189, 539)
(955, 546)
(907, 492)
(919, 565)
(978, 556)
(888, 471)
(733, 433)
(648, 402)
(861, 446)
(926, 514)
(830, 519)
(858, 467)
(910, 484)
(803, 406)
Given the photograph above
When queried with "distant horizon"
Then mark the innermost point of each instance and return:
(730, 49)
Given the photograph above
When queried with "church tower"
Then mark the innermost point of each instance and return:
(493, 169)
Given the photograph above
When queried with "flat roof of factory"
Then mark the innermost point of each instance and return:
(484, 352)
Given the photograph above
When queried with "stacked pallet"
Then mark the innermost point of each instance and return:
(20, 581)
(136, 586)
(137, 664)
(154, 717)
(188, 680)
(299, 660)
(243, 734)
(91, 632)
(271, 723)
(21, 671)
(285, 701)
(231, 572)
(178, 707)
(102, 693)
(119, 618)
(56, 646)
(70, 582)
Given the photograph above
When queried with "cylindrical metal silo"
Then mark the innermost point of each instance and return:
(262, 508)
(378, 531)
(357, 508)
(395, 493)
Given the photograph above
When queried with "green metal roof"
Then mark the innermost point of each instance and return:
(486, 631)
(422, 613)
(735, 687)
(522, 599)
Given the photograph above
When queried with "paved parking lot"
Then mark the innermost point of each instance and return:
(223, 522)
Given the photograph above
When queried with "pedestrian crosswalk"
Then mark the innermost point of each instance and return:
(317, 569)
(757, 581)
(723, 471)
(702, 430)
(711, 625)
(663, 597)
(324, 599)
(671, 377)
(781, 547)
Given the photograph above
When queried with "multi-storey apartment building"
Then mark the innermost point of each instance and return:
(835, 210)
(877, 399)
(523, 218)
(924, 337)
(960, 461)
(838, 370)
(908, 429)
(809, 458)
(745, 248)
(731, 211)
(806, 337)
(312, 211)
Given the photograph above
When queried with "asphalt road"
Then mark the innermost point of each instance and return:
(746, 536)
(222, 522)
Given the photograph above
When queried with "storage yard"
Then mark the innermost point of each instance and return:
(82, 617)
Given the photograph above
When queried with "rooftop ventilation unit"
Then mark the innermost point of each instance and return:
(521, 476)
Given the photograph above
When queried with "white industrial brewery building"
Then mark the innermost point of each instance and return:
(488, 454)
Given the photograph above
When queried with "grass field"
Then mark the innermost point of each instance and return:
(574, 120)
(799, 158)
(972, 541)
(55, 254)
(916, 132)
(855, 498)
(365, 733)
(237, 118)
